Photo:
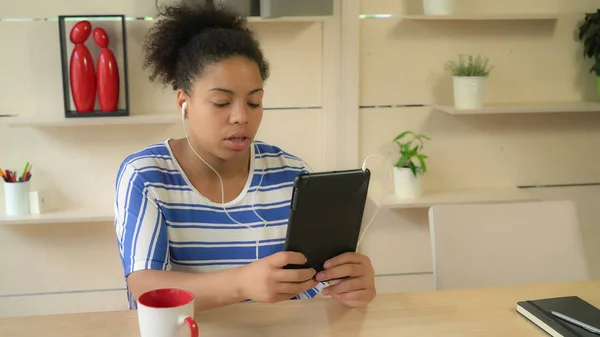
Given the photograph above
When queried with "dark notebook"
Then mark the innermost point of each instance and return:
(539, 312)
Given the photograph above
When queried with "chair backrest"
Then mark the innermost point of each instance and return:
(506, 244)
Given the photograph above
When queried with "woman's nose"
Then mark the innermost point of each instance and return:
(239, 114)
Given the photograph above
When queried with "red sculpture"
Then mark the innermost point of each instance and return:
(82, 75)
(108, 74)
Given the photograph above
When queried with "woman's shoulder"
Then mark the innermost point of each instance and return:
(277, 157)
(153, 155)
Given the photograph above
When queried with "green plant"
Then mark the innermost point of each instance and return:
(589, 33)
(410, 150)
(469, 66)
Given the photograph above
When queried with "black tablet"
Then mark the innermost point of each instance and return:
(326, 215)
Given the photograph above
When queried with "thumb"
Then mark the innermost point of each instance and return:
(282, 259)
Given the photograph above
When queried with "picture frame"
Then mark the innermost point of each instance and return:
(78, 88)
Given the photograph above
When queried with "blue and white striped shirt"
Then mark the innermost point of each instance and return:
(162, 222)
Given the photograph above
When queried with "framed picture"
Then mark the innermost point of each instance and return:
(93, 52)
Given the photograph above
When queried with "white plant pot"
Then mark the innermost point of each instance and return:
(469, 92)
(438, 7)
(406, 185)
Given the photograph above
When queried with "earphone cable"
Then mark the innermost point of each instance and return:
(257, 242)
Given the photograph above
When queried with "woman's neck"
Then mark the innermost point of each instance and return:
(226, 168)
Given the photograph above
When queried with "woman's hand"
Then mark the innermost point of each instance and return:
(352, 279)
(265, 280)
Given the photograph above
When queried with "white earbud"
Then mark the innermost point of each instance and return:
(183, 109)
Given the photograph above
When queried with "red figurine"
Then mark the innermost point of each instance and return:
(108, 73)
(82, 76)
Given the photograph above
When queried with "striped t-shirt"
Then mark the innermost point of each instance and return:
(162, 222)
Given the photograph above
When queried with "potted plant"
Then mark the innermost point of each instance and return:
(469, 77)
(438, 7)
(589, 33)
(410, 167)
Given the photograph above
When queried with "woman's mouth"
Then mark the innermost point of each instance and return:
(237, 143)
(237, 139)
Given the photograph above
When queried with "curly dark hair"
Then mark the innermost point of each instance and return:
(186, 39)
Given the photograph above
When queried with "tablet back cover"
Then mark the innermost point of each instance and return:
(326, 214)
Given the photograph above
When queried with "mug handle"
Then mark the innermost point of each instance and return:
(191, 323)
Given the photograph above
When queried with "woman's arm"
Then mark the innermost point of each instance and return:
(263, 280)
(144, 248)
(211, 290)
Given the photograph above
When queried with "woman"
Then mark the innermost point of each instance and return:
(208, 213)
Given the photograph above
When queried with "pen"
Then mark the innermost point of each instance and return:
(25, 170)
(27, 174)
(576, 322)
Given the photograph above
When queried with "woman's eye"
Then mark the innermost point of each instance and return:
(253, 105)
(220, 105)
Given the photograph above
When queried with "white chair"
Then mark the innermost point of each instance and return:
(506, 244)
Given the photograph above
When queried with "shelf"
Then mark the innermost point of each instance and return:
(467, 17)
(71, 216)
(429, 198)
(524, 108)
(149, 18)
(449, 197)
(96, 121)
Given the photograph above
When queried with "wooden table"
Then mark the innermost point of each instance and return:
(482, 312)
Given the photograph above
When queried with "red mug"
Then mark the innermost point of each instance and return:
(166, 313)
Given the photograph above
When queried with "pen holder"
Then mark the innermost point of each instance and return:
(16, 198)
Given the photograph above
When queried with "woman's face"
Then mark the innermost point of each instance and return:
(225, 108)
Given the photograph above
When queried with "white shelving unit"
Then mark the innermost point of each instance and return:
(525, 108)
(448, 197)
(469, 17)
(16, 122)
(66, 216)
